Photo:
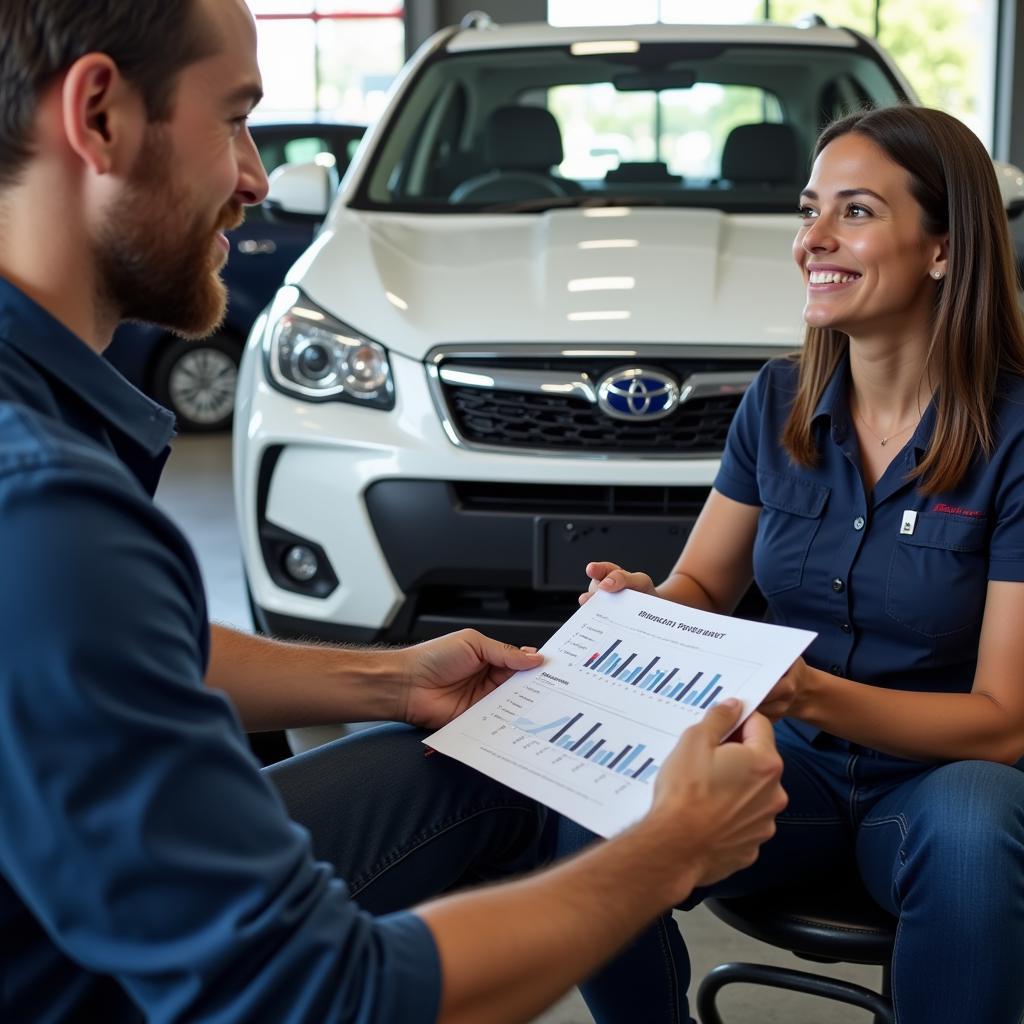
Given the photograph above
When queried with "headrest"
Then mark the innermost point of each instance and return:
(762, 153)
(522, 138)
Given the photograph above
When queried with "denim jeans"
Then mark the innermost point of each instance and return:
(400, 826)
(942, 846)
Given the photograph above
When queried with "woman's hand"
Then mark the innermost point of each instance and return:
(611, 577)
(786, 695)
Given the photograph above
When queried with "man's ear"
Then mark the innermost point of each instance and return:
(103, 116)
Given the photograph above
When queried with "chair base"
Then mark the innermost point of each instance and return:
(793, 981)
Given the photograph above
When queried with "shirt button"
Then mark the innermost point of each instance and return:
(838, 585)
(858, 523)
(845, 627)
(835, 669)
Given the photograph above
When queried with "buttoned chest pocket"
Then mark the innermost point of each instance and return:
(791, 511)
(938, 576)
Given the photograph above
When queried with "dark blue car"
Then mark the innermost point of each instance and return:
(196, 379)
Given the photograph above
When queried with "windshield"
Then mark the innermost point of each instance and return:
(724, 126)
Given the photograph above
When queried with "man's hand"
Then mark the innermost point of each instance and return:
(719, 799)
(611, 577)
(443, 677)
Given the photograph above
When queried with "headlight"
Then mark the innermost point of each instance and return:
(313, 356)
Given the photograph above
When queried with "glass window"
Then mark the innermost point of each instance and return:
(281, 6)
(647, 12)
(946, 48)
(333, 58)
(602, 12)
(289, 85)
(304, 151)
(683, 130)
(721, 12)
(358, 60)
(702, 124)
(391, 8)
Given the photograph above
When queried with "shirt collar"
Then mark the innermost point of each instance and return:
(834, 405)
(62, 355)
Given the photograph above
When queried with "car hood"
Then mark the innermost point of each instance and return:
(603, 275)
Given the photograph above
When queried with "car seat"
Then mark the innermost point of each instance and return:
(520, 146)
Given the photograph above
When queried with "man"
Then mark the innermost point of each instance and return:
(147, 868)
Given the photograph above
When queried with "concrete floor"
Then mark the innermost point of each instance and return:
(196, 492)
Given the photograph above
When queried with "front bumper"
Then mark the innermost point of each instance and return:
(423, 536)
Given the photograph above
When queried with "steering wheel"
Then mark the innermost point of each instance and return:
(508, 186)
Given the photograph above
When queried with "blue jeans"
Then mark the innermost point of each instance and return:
(401, 827)
(942, 846)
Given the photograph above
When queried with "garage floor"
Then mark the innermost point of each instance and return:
(196, 492)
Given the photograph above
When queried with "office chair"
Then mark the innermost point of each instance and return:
(833, 920)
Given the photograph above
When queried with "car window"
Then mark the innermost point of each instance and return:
(304, 151)
(706, 124)
(276, 150)
(679, 131)
(282, 146)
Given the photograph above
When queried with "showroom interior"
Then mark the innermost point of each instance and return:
(351, 51)
(518, 265)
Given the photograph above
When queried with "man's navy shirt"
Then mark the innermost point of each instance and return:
(893, 581)
(147, 869)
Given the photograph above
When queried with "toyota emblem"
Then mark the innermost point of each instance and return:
(637, 394)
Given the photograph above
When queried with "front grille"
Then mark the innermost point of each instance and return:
(579, 499)
(551, 421)
(511, 420)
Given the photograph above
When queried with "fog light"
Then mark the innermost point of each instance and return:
(300, 563)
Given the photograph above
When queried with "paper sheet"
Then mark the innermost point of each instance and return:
(586, 732)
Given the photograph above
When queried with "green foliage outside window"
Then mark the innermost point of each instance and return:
(933, 42)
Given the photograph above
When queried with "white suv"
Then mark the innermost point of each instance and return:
(551, 271)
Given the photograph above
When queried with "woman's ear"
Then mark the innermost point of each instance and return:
(940, 260)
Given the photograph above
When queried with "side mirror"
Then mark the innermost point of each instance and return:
(300, 193)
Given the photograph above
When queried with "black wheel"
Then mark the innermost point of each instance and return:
(196, 381)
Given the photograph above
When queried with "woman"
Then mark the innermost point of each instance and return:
(873, 486)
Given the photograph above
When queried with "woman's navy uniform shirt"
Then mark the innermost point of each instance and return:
(147, 869)
(892, 581)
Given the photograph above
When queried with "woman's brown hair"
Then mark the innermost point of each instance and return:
(977, 328)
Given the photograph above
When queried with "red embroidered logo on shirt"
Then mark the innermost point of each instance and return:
(957, 510)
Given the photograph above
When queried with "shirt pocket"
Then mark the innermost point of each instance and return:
(791, 511)
(938, 576)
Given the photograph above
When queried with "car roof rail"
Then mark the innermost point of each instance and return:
(477, 19)
(810, 20)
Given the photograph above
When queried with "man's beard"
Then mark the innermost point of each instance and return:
(157, 260)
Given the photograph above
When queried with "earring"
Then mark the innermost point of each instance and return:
(937, 274)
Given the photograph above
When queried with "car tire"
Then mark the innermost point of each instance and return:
(196, 381)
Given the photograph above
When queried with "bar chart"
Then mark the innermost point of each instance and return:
(578, 737)
(699, 691)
